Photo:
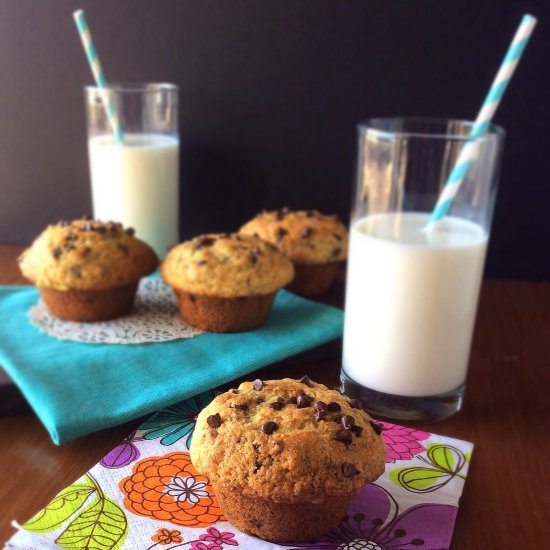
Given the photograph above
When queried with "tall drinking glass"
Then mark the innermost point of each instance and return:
(136, 182)
(412, 292)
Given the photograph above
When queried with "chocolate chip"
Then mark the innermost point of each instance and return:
(356, 403)
(349, 469)
(344, 436)
(310, 214)
(277, 405)
(192, 298)
(337, 236)
(376, 427)
(307, 381)
(257, 384)
(200, 263)
(203, 241)
(87, 217)
(280, 233)
(306, 232)
(256, 447)
(303, 401)
(279, 215)
(240, 406)
(259, 400)
(257, 466)
(336, 252)
(357, 430)
(130, 231)
(63, 223)
(268, 427)
(254, 253)
(319, 415)
(67, 247)
(347, 422)
(337, 418)
(293, 400)
(334, 407)
(86, 227)
(70, 236)
(234, 390)
(123, 247)
(101, 229)
(56, 252)
(320, 406)
(214, 420)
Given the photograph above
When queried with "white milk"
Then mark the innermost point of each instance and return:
(411, 300)
(137, 183)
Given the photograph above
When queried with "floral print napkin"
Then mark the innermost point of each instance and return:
(145, 495)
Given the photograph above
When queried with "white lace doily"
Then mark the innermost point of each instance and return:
(155, 318)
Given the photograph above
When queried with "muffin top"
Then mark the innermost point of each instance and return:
(305, 236)
(288, 440)
(87, 255)
(226, 265)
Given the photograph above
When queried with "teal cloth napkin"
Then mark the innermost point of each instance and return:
(79, 388)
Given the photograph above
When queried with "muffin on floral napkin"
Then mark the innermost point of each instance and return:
(87, 270)
(226, 282)
(286, 457)
(315, 242)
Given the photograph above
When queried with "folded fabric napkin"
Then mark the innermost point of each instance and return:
(117, 504)
(78, 388)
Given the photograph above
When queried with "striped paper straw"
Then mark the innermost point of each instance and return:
(483, 120)
(97, 71)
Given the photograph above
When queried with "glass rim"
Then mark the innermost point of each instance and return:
(368, 127)
(135, 87)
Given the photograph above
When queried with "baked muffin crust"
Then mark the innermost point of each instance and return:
(305, 236)
(87, 254)
(287, 441)
(226, 265)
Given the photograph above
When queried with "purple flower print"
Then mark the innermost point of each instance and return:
(374, 523)
(402, 443)
(123, 454)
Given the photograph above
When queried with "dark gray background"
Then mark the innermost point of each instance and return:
(271, 91)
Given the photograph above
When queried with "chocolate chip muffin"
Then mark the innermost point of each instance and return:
(226, 282)
(286, 457)
(87, 270)
(315, 242)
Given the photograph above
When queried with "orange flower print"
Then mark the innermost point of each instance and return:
(168, 488)
(167, 536)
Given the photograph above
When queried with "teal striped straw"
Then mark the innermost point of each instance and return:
(483, 120)
(97, 71)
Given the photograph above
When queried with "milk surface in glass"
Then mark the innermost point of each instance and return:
(411, 300)
(137, 183)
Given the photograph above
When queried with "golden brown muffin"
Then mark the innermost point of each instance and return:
(87, 270)
(315, 242)
(225, 282)
(286, 457)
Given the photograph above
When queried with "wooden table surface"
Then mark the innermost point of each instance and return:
(506, 414)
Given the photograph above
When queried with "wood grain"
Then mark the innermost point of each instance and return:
(506, 414)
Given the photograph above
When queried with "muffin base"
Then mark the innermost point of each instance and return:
(214, 314)
(313, 279)
(89, 305)
(281, 522)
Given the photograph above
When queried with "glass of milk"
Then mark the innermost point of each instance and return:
(136, 182)
(412, 293)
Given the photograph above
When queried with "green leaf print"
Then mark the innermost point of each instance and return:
(443, 463)
(61, 508)
(416, 479)
(445, 457)
(101, 525)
